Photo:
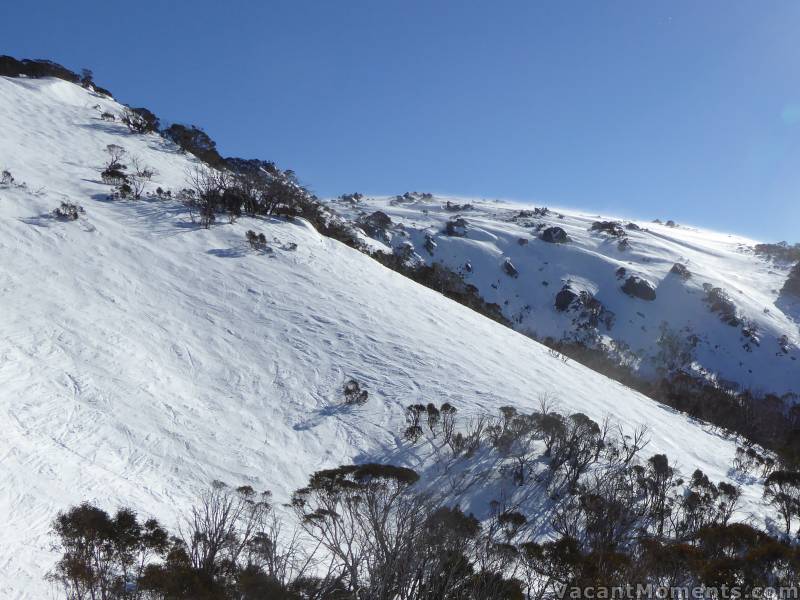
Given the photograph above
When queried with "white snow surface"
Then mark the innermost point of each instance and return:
(142, 357)
(589, 261)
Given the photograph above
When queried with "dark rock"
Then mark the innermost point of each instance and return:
(379, 219)
(639, 288)
(456, 227)
(430, 244)
(621, 272)
(632, 227)
(565, 298)
(453, 207)
(376, 225)
(681, 271)
(522, 242)
(510, 269)
(609, 227)
(588, 312)
(554, 235)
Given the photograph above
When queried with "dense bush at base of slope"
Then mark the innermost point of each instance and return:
(768, 420)
(370, 531)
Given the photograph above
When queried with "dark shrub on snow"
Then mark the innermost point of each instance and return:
(720, 302)
(681, 271)
(68, 211)
(257, 241)
(37, 68)
(140, 120)
(194, 140)
(639, 288)
(11, 67)
(353, 394)
(113, 176)
(781, 251)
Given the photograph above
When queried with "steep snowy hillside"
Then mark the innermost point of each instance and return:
(711, 290)
(143, 356)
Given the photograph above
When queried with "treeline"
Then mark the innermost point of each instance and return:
(37, 68)
(376, 532)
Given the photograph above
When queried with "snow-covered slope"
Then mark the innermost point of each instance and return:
(759, 352)
(142, 356)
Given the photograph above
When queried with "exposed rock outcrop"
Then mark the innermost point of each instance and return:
(555, 235)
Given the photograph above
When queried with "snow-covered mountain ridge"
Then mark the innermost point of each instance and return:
(710, 290)
(144, 356)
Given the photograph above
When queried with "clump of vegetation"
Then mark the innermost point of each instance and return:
(353, 394)
(618, 515)
(195, 141)
(721, 303)
(792, 285)
(114, 171)
(68, 211)
(440, 278)
(782, 251)
(257, 241)
(11, 67)
(681, 271)
(140, 120)
(130, 184)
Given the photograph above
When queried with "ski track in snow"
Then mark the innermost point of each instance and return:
(143, 357)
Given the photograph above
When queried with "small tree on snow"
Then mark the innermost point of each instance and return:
(115, 154)
(257, 241)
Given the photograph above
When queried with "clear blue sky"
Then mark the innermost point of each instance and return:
(684, 110)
